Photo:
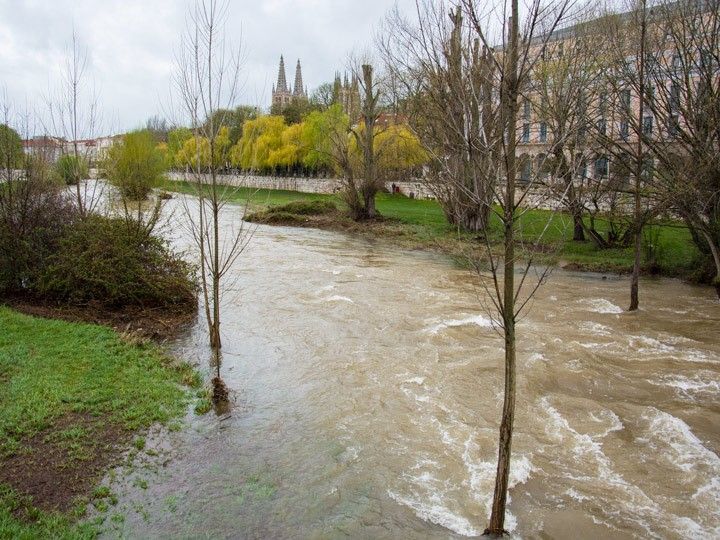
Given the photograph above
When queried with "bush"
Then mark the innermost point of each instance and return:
(33, 217)
(136, 165)
(112, 262)
(71, 169)
(304, 208)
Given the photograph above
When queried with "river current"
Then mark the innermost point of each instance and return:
(367, 388)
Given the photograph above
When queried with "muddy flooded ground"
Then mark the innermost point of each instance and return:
(367, 384)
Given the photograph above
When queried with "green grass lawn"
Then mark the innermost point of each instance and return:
(52, 371)
(425, 225)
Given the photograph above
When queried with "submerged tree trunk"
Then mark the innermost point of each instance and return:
(716, 258)
(510, 106)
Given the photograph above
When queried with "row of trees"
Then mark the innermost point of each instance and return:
(268, 144)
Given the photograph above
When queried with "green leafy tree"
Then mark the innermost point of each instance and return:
(71, 169)
(261, 136)
(136, 165)
(11, 151)
(176, 139)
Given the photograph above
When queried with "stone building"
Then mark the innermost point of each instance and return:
(282, 93)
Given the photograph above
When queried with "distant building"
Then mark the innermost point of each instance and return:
(282, 93)
(346, 92)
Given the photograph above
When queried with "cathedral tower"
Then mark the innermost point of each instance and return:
(282, 93)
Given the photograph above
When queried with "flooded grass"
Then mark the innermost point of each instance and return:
(73, 396)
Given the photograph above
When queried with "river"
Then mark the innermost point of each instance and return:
(367, 386)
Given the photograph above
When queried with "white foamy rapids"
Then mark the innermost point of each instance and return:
(534, 358)
(601, 305)
(690, 453)
(650, 346)
(481, 476)
(700, 384)
(338, 298)
(478, 320)
(621, 499)
(434, 511)
(595, 328)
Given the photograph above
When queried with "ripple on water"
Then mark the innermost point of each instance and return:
(478, 320)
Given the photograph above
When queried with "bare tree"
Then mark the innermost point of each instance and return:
(514, 62)
(565, 81)
(624, 127)
(207, 80)
(73, 115)
(684, 73)
(446, 75)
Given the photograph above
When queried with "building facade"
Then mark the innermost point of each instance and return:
(282, 93)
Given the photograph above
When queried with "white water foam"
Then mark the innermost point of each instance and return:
(595, 328)
(434, 511)
(338, 298)
(601, 305)
(690, 451)
(478, 320)
(689, 386)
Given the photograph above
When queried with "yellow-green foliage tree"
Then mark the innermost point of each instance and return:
(195, 152)
(397, 152)
(260, 138)
(290, 155)
(136, 165)
(326, 136)
(176, 139)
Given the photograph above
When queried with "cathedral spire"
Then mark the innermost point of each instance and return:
(281, 82)
(299, 87)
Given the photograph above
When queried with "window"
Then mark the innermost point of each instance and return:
(602, 104)
(648, 126)
(672, 126)
(543, 132)
(561, 49)
(526, 170)
(649, 94)
(674, 97)
(625, 99)
(526, 133)
(624, 130)
(601, 127)
(583, 169)
(601, 167)
(526, 109)
(676, 61)
(648, 169)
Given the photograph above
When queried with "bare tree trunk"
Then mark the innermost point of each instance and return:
(510, 106)
(716, 258)
(639, 164)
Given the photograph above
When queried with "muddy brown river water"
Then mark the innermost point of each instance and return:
(367, 385)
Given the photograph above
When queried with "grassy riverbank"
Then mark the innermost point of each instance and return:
(421, 224)
(73, 398)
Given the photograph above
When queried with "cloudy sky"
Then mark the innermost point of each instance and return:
(131, 46)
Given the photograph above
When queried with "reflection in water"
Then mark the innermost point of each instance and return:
(368, 389)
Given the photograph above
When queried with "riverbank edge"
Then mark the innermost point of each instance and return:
(50, 478)
(461, 246)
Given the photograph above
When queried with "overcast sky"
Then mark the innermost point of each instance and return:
(131, 46)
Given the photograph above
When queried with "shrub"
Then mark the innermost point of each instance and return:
(136, 165)
(112, 262)
(71, 169)
(33, 217)
(304, 208)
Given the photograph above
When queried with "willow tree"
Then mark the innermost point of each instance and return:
(206, 79)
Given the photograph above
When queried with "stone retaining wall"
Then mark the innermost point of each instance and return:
(302, 184)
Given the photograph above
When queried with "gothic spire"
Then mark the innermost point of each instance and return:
(299, 88)
(281, 82)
